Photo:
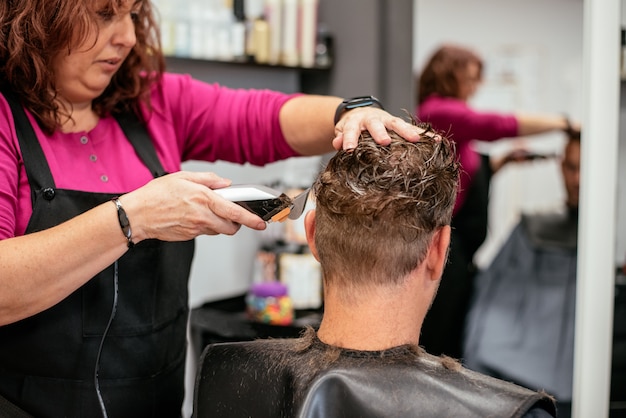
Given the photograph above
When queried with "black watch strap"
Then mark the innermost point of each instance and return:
(361, 101)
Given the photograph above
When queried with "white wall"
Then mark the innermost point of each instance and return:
(553, 28)
(538, 44)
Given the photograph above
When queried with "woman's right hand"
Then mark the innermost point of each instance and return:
(181, 206)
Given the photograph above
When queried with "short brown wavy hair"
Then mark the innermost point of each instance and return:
(377, 207)
(441, 73)
(34, 32)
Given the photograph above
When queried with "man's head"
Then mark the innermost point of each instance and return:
(570, 167)
(379, 207)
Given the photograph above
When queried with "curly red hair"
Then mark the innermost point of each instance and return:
(441, 73)
(34, 32)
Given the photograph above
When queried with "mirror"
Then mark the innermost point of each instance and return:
(534, 64)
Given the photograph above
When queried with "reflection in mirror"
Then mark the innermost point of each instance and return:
(528, 260)
(530, 67)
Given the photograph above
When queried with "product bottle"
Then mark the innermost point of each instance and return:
(238, 41)
(261, 35)
(253, 10)
(308, 32)
(182, 33)
(223, 33)
(201, 31)
(290, 54)
(274, 18)
(164, 11)
(324, 48)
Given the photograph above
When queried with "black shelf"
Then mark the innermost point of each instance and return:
(249, 63)
(250, 74)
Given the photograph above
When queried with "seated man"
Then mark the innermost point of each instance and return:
(381, 233)
(521, 322)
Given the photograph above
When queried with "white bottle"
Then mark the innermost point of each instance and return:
(164, 12)
(273, 16)
(290, 55)
(197, 34)
(182, 33)
(223, 32)
(308, 32)
(253, 10)
(238, 41)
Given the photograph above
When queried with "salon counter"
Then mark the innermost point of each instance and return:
(226, 320)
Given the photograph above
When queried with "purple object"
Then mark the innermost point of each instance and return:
(268, 289)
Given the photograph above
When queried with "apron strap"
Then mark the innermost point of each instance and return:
(39, 175)
(139, 137)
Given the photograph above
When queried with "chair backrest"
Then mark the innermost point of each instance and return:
(232, 381)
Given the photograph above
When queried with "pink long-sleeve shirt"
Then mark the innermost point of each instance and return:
(463, 125)
(190, 120)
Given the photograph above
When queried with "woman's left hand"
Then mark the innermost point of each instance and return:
(377, 122)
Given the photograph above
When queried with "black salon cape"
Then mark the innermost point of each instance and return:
(521, 323)
(278, 378)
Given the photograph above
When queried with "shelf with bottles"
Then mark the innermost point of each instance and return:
(265, 33)
(250, 62)
(254, 75)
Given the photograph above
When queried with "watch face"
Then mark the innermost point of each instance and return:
(355, 102)
(361, 102)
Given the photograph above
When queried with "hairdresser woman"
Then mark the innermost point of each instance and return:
(96, 238)
(450, 77)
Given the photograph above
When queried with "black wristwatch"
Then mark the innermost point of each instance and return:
(355, 102)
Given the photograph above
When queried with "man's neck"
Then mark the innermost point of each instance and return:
(376, 321)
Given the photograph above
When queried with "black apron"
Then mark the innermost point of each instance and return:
(47, 361)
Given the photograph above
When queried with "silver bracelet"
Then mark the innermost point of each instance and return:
(124, 222)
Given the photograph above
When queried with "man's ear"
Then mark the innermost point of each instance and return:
(438, 252)
(309, 229)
